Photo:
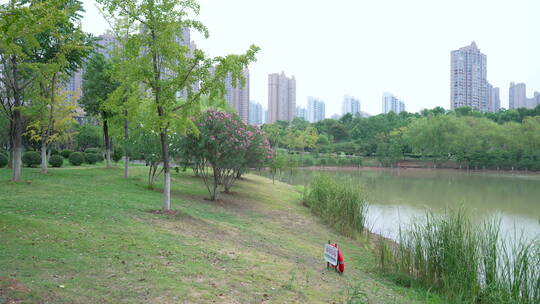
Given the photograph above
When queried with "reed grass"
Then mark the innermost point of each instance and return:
(468, 263)
(342, 205)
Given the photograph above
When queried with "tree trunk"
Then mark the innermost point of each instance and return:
(17, 144)
(43, 156)
(107, 140)
(126, 155)
(17, 123)
(11, 136)
(166, 171)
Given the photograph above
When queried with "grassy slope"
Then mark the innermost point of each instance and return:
(83, 236)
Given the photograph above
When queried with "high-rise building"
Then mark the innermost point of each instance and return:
(391, 103)
(301, 112)
(468, 81)
(315, 110)
(281, 97)
(350, 105)
(517, 97)
(238, 95)
(494, 100)
(256, 113)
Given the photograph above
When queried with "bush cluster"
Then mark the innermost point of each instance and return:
(93, 150)
(117, 155)
(3, 160)
(66, 153)
(56, 161)
(31, 159)
(91, 158)
(76, 158)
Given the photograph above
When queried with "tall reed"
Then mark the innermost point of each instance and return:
(343, 205)
(467, 262)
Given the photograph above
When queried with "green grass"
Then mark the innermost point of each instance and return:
(468, 263)
(83, 235)
(342, 204)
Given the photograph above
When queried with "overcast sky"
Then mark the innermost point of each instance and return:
(364, 48)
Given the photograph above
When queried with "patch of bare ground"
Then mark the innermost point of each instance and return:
(12, 291)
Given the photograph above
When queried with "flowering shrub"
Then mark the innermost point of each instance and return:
(225, 145)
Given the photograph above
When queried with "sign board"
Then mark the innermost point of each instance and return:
(331, 254)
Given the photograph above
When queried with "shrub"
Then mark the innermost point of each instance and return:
(31, 159)
(93, 150)
(99, 157)
(66, 153)
(332, 161)
(54, 152)
(56, 161)
(91, 158)
(76, 158)
(323, 162)
(3, 160)
(5, 153)
(308, 162)
(117, 155)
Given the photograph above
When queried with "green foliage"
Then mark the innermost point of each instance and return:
(93, 150)
(98, 84)
(117, 155)
(341, 204)
(91, 158)
(3, 160)
(76, 158)
(88, 136)
(467, 262)
(227, 146)
(56, 161)
(66, 153)
(31, 159)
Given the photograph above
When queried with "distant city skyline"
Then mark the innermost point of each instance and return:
(390, 103)
(367, 63)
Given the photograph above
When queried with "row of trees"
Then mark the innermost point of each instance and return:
(506, 139)
(151, 78)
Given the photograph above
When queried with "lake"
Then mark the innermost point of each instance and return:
(397, 196)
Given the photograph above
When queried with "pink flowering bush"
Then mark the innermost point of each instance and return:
(225, 147)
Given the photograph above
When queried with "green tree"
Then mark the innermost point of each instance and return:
(62, 50)
(98, 85)
(20, 25)
(88, 136)
(169, 70)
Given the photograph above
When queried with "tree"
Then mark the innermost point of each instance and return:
(19, 26)
(50, 120)
(62, 50)
(169, 70)
(273, 133)
(88, 136)
(98, 85)
(223, 147)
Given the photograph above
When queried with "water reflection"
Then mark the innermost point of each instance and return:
(397, 196)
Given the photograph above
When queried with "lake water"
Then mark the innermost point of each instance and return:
(397, 196)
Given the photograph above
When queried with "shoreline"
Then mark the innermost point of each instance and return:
(377, 168)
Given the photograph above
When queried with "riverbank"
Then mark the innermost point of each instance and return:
(420, 169)
(90, 236)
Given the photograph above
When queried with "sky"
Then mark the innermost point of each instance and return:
(365, 48)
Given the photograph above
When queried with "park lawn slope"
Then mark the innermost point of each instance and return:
(86, 235)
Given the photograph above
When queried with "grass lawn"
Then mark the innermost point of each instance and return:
(85, 235)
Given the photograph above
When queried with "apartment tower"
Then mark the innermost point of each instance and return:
(468, 79)
(281, 97)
